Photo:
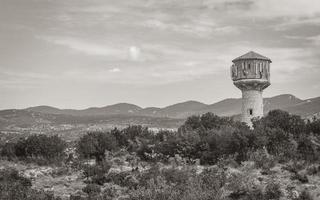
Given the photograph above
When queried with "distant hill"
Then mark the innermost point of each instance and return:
(309, 107)
(116, 109)
(46, 109)
(227, 107)
(181, 110)
(280, 102)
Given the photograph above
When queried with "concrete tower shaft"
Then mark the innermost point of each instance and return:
(251, 74)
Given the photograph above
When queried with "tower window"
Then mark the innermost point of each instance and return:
(250, 111)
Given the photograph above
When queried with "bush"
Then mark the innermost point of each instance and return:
(209, 121)
(292, 124)
(302, 177)
(14, 186)
(132, 132)
(263, 159)
(313, 169)
(305, 195)
(41, 149)
(155, 190)
(8, 151)
(40, 146)
(94, 145)
(123, 179)
(307, 150)
(92, 189)
(97, 173)
(176, 176)
(314, 127)
(180, 184)
(273, 191)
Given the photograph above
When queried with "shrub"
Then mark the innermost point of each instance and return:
(313, 169)
(193, 122)
(121, 178)
(41, 149)
(8, 151)
(302, 177)
(41, 146)
(212, 179)
(14, 186)
(273, 191)
(92, 189)
(263, 159)
(314, 127)
(97, 173)
(176, 176)
(145, 151)
(307, 150)
(292, 124)
(155, 190)
(135, 131)
(167, 148)
(305, 195)
(94, 145)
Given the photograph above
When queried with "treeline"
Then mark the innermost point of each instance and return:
(208, 138)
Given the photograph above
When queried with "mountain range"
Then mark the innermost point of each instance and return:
(122, 114)
(227, 107)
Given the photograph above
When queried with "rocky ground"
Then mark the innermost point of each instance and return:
(64, 181)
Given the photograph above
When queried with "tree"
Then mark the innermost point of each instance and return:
(8, 150)
(193, 122)
(314, 126)
(292, 124)
(40, 146)
(94, 145)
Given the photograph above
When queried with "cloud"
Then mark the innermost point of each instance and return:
(269, 9)
(89, 48)
(297, 22)
(114, 70)
(315, 40)
(196, 27)
(19, 80)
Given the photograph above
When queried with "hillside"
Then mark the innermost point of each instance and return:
(305, 108)
(181, 110)
(120, 108)
(170, 116)
(227, 107)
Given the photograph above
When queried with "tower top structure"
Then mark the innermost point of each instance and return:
(251, 55)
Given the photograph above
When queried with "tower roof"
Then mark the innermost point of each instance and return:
(250, 56)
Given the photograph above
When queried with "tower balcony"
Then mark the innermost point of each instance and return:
(251, 84)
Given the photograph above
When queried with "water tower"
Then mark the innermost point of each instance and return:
(251, 74)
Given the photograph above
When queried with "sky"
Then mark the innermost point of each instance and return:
(86, 53)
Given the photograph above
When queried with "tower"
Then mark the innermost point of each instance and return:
(251, 74)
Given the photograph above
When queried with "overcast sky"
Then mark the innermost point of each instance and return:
(82, 53)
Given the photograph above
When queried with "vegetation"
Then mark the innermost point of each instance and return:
(208, 157)
(39, 148)
(15, 187)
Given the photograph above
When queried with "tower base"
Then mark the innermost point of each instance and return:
(252, 105)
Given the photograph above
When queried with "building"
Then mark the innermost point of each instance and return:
(251, 74)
